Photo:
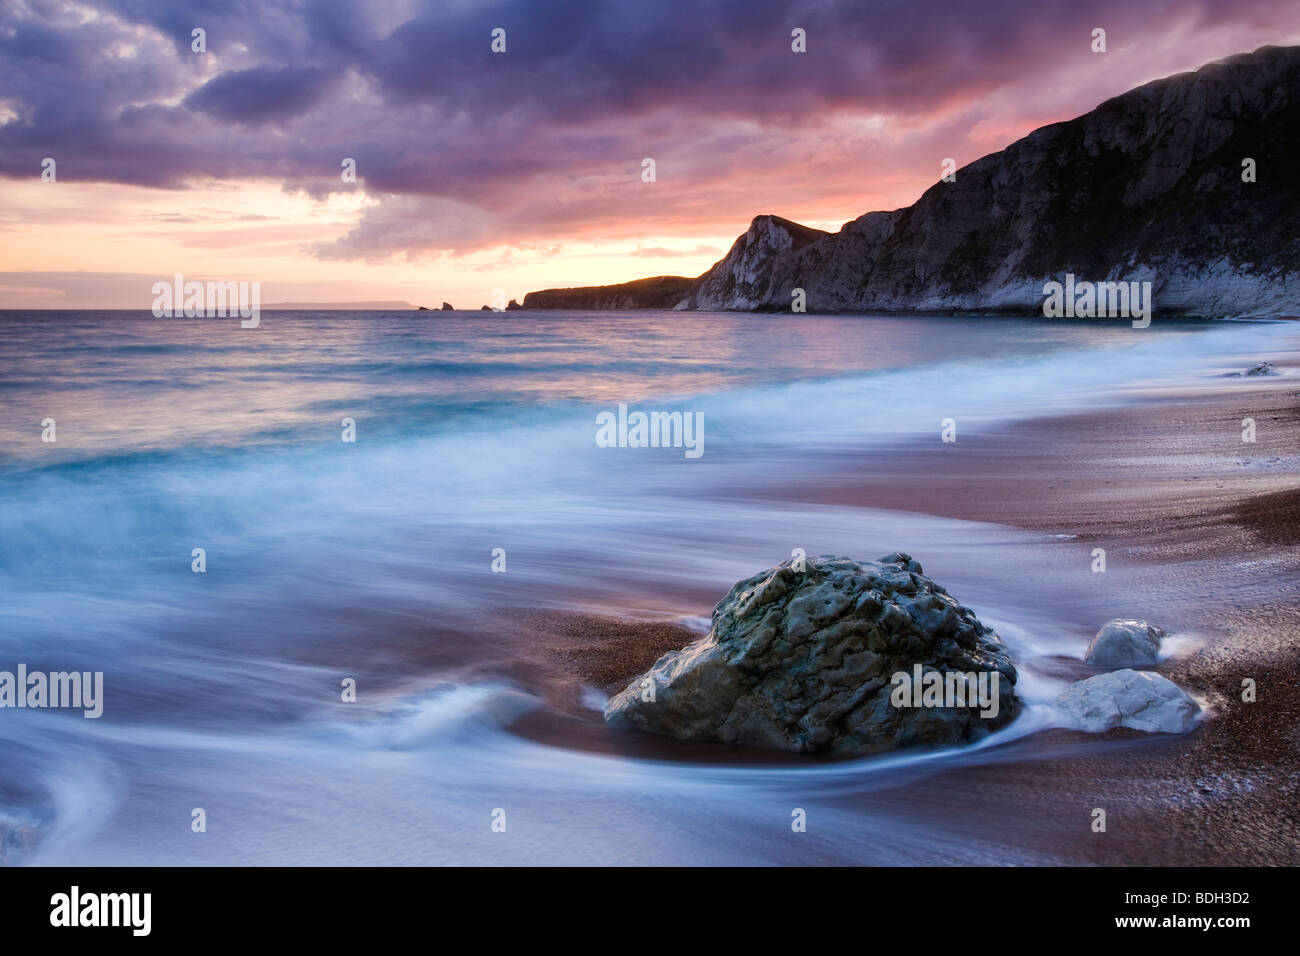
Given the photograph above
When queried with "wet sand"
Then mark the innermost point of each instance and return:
(1166, 483)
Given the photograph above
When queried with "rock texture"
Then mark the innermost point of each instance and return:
(1125, 643)
(748, 277)
(1147, 187)
(1138, 699)
(802, 660)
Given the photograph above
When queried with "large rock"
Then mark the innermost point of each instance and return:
(806, 660)
(1141, 700)
(1125, 643)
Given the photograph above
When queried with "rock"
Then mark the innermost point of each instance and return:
(424, 308)
(1142, 700)
(446, 307)
(485, 308)
(808, 660)
(745, 279)
(513, 306)
(1259, 368)
(1125, 643)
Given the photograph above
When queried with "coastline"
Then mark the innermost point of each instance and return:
(482, 689)
(1200, 529)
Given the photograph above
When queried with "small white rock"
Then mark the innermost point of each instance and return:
(1125, 643)
(1141, 700)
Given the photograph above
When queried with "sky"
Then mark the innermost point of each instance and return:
(479, 171)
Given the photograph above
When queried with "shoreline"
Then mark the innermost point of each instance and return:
(1207, 522)
(1199, 530)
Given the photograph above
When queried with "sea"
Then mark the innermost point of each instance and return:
(234, 526)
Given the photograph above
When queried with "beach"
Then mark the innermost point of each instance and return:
(482, 688)
(1218, 521)
(1167, 484)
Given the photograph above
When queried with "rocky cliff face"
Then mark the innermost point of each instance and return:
(1147, 187)
(749, 280)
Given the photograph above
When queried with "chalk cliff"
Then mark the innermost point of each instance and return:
(1147, 187)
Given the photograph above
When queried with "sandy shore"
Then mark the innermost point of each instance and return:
(1167, 484)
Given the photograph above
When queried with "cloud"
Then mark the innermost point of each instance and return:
(461, 149)
(262, 94)
(663, 252)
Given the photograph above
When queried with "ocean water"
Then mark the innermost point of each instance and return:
(373, 560)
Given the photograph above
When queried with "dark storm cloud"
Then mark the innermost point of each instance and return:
(261, 94)
(414, 94)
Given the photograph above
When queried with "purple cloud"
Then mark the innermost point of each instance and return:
(464, 148)
(262, 94)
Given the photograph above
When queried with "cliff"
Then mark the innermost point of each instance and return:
(660, 292)
(1146, 187)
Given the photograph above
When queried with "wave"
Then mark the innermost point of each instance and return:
(374, 559)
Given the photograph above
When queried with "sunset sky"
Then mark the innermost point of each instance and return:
(518, 170)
